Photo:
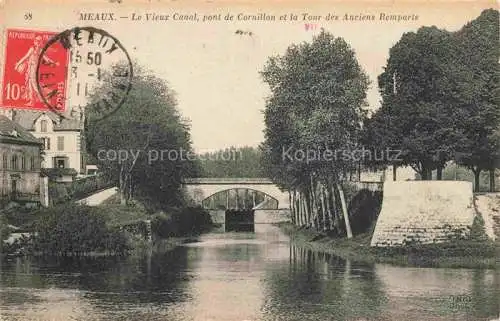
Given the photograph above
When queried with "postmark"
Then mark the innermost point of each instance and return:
(100, 72)
(23, 51)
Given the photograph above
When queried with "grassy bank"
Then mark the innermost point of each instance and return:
(108, 229)
(459, 254)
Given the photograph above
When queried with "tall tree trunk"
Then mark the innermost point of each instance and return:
(329, 210)
(299, 212)
(336, 215)
(122, 182)
(307, 202)
(323, 206)
(426, 173)
(344, 211)
(423, 174)
(303, 207)
(295, 208)
(477, 173)
(312, 203)
(439, 173)
(129, 180)
(299, 208)
(492, 180)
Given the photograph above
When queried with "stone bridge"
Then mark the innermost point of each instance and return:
(200, 189)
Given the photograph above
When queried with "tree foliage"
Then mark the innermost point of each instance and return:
(479, 94)
(415, 114)
(318, 95)
(76, 230)
(155, 140)
(232, 162)
(4, 230)
(440, 95)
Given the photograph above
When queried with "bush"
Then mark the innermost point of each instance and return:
(180, 222)
(363, 210)
(58, 193)
(76, 230)
(54, 173)
(4, 231)
(21, 217)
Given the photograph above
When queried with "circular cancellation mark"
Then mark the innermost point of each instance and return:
(98, 62)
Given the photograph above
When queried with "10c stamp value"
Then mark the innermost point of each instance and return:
(23, 52)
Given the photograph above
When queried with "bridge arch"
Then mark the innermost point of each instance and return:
(199, 189)
(268, 202)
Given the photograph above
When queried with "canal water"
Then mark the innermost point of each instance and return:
(240, 276)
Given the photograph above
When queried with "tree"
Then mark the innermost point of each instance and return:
(232, 162)
(439, 98)
(318, 95)
(478, 74)
(153, 140)
(416, 110)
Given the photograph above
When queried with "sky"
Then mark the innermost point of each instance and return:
(215, 72)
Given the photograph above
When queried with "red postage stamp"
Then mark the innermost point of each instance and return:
(22, 54)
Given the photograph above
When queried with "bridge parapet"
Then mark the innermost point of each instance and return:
(227, 180)
(200, 189)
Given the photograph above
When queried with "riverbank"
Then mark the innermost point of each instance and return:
(459, 254)
(102, 230)
(162, 245)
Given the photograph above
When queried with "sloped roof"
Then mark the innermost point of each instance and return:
(27, 118)
(15, 133)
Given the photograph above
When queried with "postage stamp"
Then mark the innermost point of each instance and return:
(91, 51)
(23, 52)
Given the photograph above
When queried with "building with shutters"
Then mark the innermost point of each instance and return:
(61, 138)
(20, 162)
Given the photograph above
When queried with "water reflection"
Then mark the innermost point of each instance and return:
(318, 286)
(241, 276)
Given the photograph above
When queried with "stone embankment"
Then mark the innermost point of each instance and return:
(423, 211)
(488, 205)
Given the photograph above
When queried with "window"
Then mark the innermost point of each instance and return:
(43, 126)
(23, 162)
(61, 163)
(60, 143)
(32, 163)
(46, 143)
(4, 161)
(13, 160)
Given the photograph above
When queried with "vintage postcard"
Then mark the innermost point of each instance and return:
(249, 160)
